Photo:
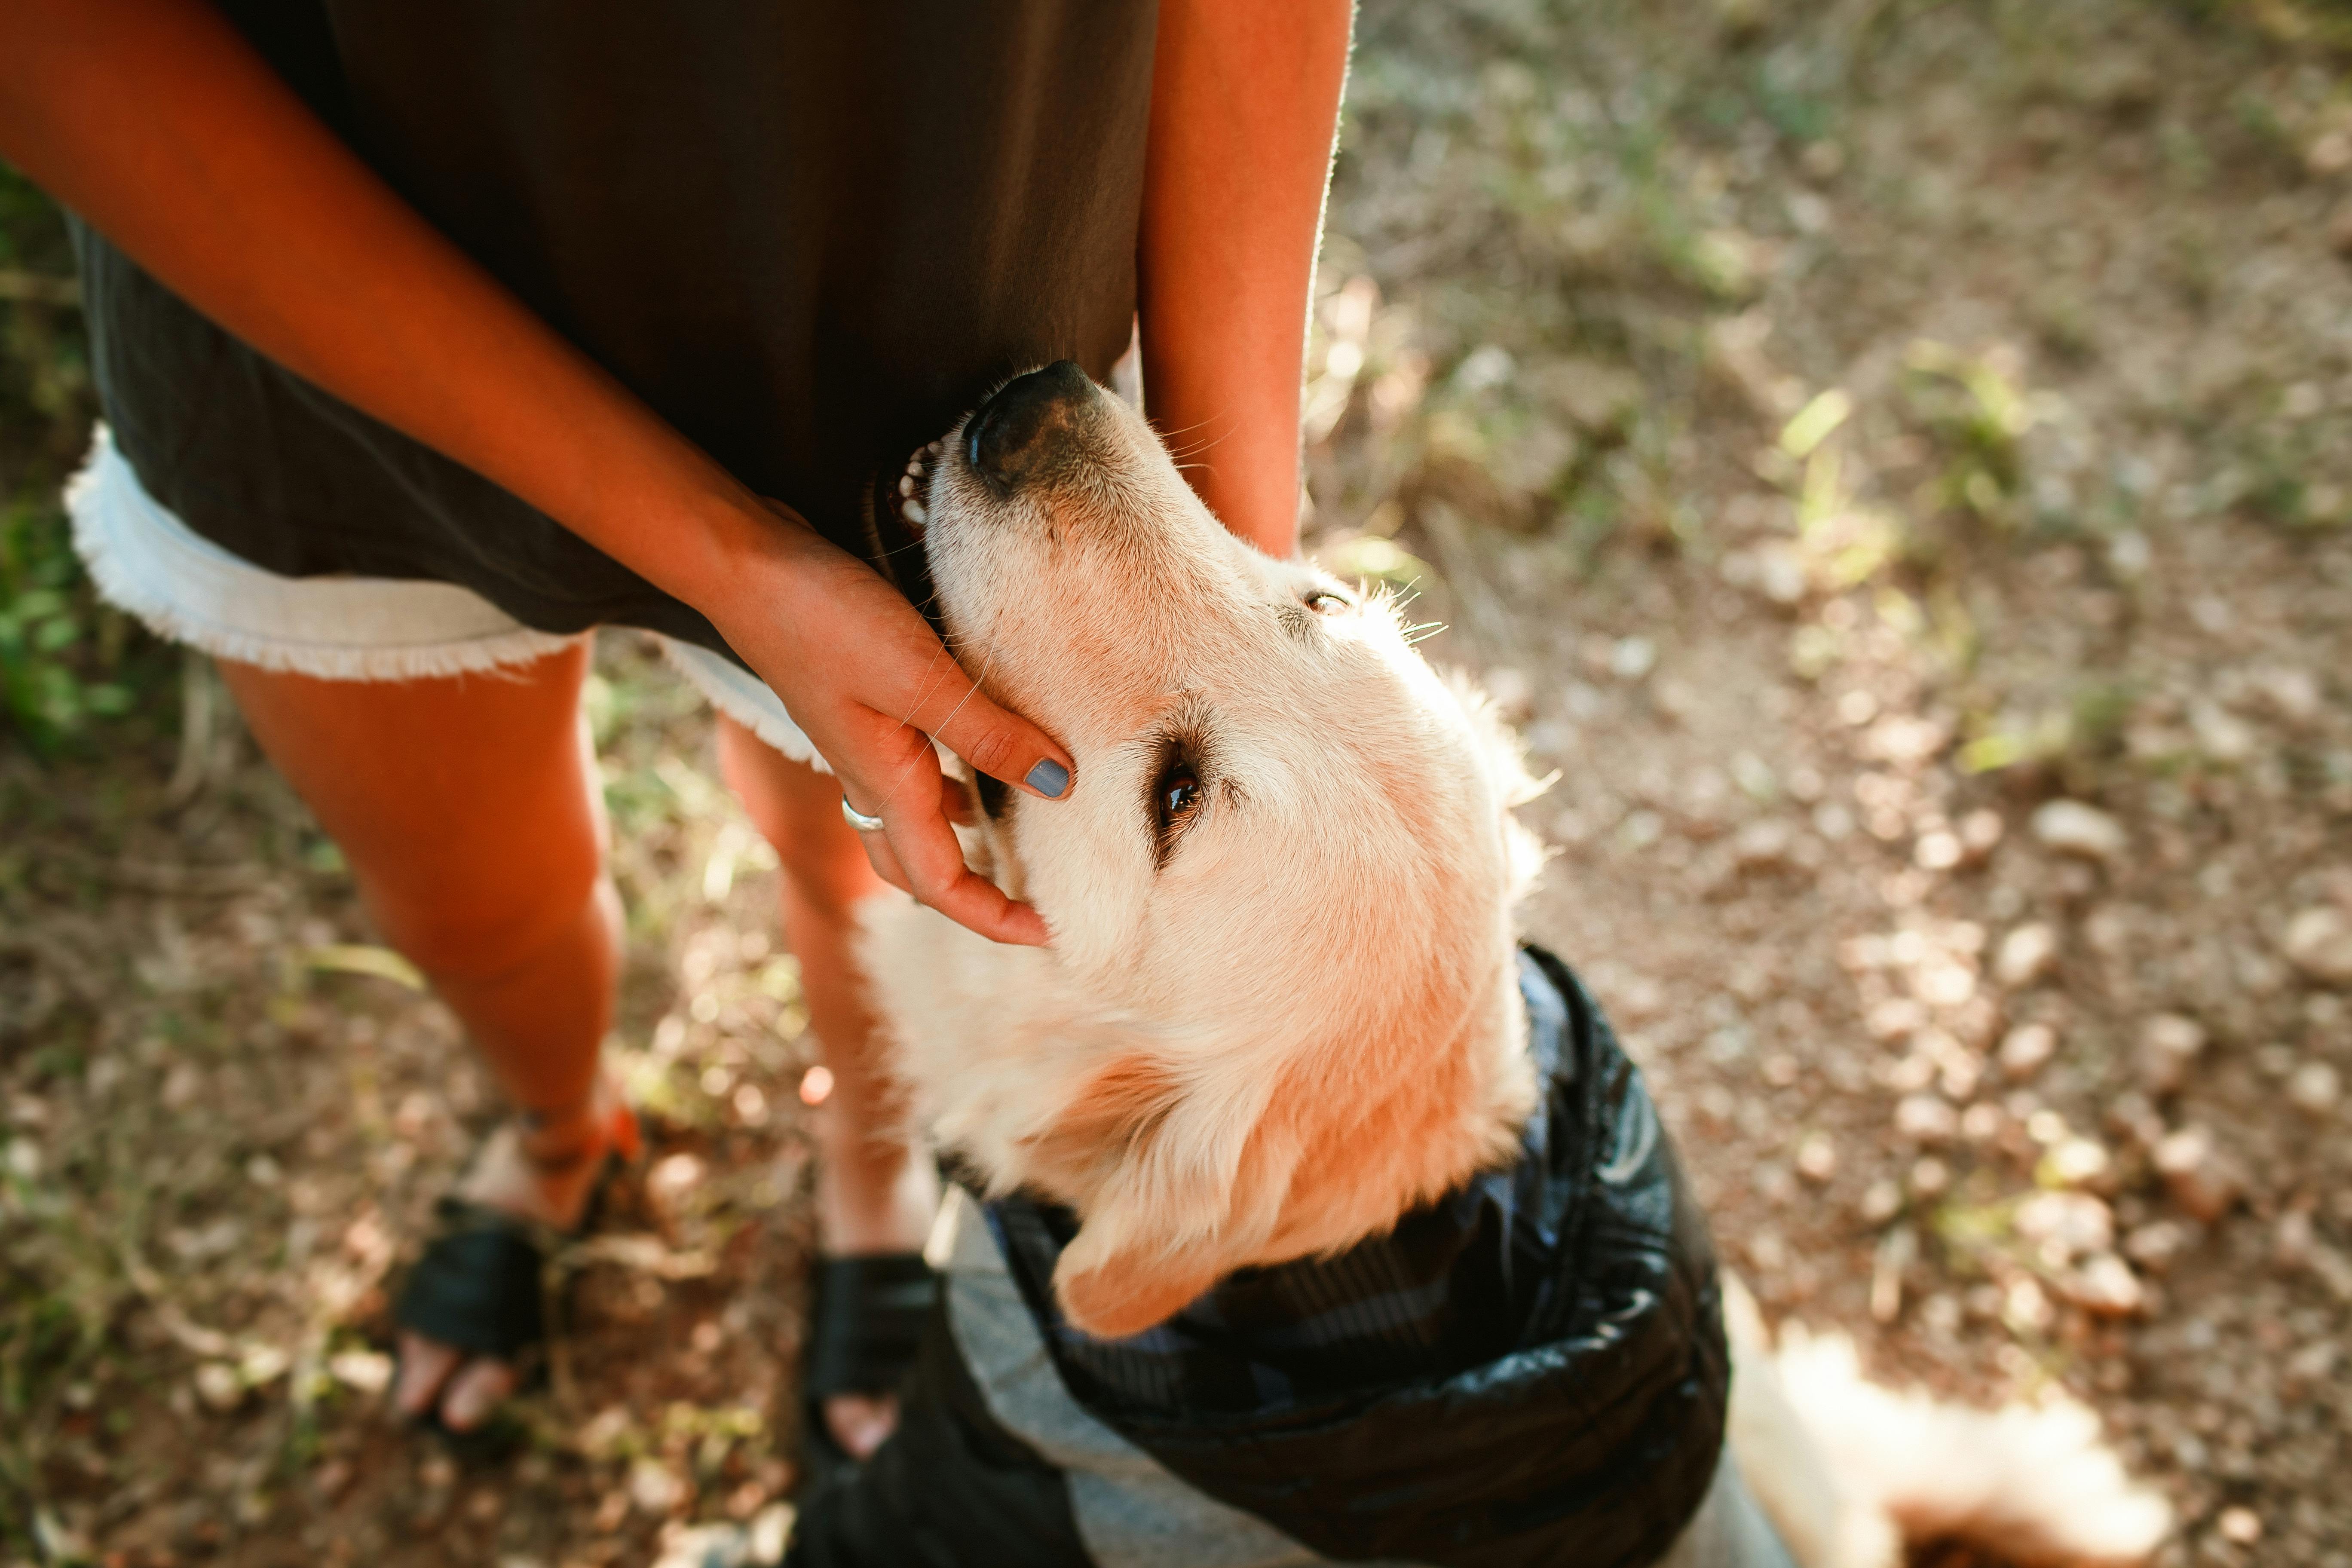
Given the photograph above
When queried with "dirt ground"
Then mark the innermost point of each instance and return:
(1890, 457)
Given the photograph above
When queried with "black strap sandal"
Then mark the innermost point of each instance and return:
(480, 1284)
(866, 1327)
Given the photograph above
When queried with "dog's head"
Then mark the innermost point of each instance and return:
(1279, 889)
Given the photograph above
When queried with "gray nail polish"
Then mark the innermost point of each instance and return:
(1049, 778)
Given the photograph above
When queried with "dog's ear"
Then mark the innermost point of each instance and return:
(1128, 1293)
(1159, 1167)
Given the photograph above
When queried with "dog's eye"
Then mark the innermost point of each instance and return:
(1175, 800)
(1180, 794)
(1324, 601)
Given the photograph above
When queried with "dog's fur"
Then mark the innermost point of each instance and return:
(1270, 1028)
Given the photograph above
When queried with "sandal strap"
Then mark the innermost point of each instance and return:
(479, 1283)
(867, 1321)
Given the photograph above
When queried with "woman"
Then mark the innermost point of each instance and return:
(432, 335)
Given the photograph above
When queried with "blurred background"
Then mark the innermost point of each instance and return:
(1890, 456)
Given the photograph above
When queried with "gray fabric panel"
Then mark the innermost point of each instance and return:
(1728, 1531)
(1130, 1510)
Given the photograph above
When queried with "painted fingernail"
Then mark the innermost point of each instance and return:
(1049, 778)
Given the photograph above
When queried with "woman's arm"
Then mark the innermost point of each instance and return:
(157, 122)
(1245, 101)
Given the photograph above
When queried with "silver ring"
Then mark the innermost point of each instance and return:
(858, 819)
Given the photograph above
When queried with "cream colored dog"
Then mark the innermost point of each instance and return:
(1281, 1008)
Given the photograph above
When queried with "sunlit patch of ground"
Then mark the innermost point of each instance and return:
(1840, 435)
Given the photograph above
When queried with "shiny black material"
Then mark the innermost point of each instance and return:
(1532, 1371)
(478, 1285)
(949, 1489)
(810, 235)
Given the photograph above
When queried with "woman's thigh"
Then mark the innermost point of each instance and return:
(468, 806)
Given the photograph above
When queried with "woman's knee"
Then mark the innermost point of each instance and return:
(468, 806)
(475, 930)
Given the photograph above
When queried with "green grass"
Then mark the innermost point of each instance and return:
(68, 662)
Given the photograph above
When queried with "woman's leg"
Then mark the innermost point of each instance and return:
(873, 1193)
(468, 811)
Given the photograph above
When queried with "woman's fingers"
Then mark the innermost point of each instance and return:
(884, 860)
(918, 850)
(949, 707)
(956, 802)
(872, 686)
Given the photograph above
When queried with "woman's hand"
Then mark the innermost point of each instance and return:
(867, 680)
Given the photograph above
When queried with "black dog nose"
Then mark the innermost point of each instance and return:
(1019, 429)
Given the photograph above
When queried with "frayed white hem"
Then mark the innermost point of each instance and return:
(743, 697)
(187, 589)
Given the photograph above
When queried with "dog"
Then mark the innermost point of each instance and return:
(1285, 1018)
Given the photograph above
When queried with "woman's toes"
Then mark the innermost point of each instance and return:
(480, 1387)
(861, 1422)
(425, 1366)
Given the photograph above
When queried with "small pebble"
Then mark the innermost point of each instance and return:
(2169, 1044)
(2293, 694)
(1980, 831)
(1762, 845)
(218, 1385)
(2242, 1526)
(1937, 851)
(2316, 1088)
(2074, 1224)
(2070, 827)
(1817, 1158)
(2105, 1285)
(654, 1487)
(2200, 1178)
(2319, 942)
(2026, 1306)
(1633, 657)
(2027, 954)
(1926, 1117)
(1882, 1202)
(2026, 1049)
(2154, 1246)
(2078, 1162)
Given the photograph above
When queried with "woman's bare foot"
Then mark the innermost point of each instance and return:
(872, 1198)
(544, 1169)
